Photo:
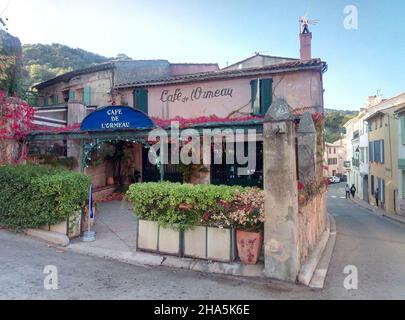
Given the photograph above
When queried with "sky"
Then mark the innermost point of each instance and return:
(361, 62)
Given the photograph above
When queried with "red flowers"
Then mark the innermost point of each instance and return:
(16, 118)
(300, 186)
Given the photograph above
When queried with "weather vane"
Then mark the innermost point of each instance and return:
(305, 22)
(3, 24)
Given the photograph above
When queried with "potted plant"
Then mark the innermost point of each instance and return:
(247, 216)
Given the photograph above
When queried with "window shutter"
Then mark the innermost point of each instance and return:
(403, 129)
(253, 95)
(370, 151)
(382, 151)
(55, 98)
(72, 95)
(141, 100)
(45, 101)
(403, 184)
(266, 94)
(376, 151)
(87, 96)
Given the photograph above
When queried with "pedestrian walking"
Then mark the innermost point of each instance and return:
(353, 191)
(347, 188)
(376, 195)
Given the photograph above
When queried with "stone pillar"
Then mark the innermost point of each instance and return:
(76, 112)
(307, 149)
(281, 195)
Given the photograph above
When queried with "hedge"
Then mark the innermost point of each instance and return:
(183, 206)
(34, 195)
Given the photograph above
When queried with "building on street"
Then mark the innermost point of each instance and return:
(335, 155)
(383, 153)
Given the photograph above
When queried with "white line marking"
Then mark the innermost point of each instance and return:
(334, 197)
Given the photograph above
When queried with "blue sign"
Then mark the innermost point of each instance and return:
(114, 118)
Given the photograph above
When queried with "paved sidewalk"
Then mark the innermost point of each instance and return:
(116, 233)
(379, 211)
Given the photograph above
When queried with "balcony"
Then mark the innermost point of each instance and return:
(355, 162)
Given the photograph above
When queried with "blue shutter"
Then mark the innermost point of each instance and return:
(376, 151)
(371, 152)
(266, 95)
(382, 151)
(87, 96)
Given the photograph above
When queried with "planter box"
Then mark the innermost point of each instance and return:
(169, 241)
(195, 243)
(210, 243)
(148, 235)
(200, 242)
(70, 227)
(221, 244)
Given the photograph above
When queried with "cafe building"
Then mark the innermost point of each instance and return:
(236, 98)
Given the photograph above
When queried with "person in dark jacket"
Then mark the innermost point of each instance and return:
(353, 191)
(376, 195)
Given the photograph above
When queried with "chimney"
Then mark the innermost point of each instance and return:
(305, 46)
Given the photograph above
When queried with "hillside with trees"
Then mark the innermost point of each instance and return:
(334, 121)
(10, 63)
(43, 62)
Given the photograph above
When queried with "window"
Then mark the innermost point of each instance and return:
(375, 126)
(403, 129)
(261, 95)
(377, 152)
(87, 96)
(72, 95)
(370, 126)
(381, 121)
(141, 99)
(382, 151)
(370, 153)
(332, 161)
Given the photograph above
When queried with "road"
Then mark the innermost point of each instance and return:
(373, 244)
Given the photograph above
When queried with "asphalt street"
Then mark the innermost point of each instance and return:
(374, 245)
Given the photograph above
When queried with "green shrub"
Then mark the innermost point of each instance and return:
(175, 205)
(183, 206)
(33, 195)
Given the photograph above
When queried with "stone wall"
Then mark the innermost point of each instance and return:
(311, 224)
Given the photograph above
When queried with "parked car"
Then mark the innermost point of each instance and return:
(334, 179)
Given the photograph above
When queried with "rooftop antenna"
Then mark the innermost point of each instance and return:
(305, 22)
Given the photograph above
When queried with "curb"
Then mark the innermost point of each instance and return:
(394, 218)
(318, 279)
(49, 236)
(143, 259)
(309, 268)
